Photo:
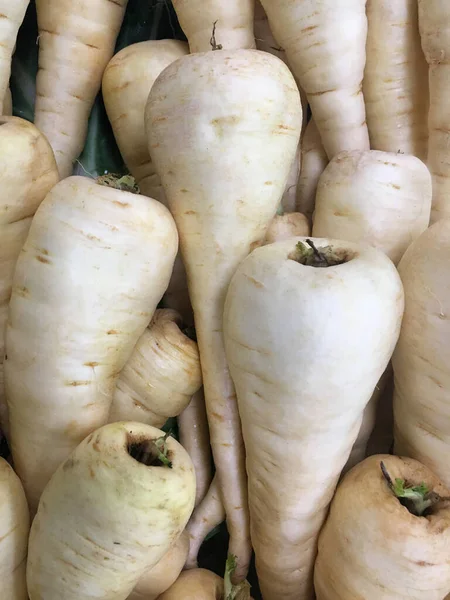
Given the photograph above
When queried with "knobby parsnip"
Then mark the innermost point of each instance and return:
(301, 398)
(387, 537)
(127, 81)
(286, 226)
(434, 27)
(380, 198)
(194, 437)
(223, 160)
(325, 47)
(159, 578)
(76, 41)
(110, 512)
(28, 172)
(94, 267)
(12, 14)
(313, 162)
(421, 366)
(214, 24)
(160, 376)
(396, 79)
(14, 530)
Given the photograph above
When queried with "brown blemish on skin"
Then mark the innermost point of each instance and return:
(268, 183)
(423, 563)
(217, 416)
(96, 444)
(69, 464)
(255, 282)
(43, 260)
(112, 332)
(322, 92)
(190, 212)
(78, 383)
(91, 472)
(22, 292)
(121, 204)
(429, 431)
(395, 186)
(91, 364)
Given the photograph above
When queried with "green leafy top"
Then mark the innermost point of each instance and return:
(311, 256)
(241, 591)
(162, 450)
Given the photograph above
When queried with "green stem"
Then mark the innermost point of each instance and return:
(240, 591)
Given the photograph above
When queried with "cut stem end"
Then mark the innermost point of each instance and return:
(324, 256)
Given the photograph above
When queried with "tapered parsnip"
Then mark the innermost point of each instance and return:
(313, 162)
(198, 584)
(223, 160)
(434, 27)
(396, 79)
(325, 46)
(94, 266)
(213, 23)
(194, 437)
(160, 376)
(12, 13)
(374, 547)
(7, 104)
(286, 226)
(159, 578)
(111, 511)
(14, 529)
(29, 171)
(381, 198)
(420, 361)
(209, 514)
(76, 41)
(301, 398)
(127, 81)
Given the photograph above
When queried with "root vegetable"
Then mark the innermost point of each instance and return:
(127, 81)
(375, 546)
(420, 361)
(198, 584)
(301, 398)
(110, 512)
(14, 529)
(396, 79)
(287, 226)
(76, 41)
(325, 47)
(223, 160)
(194, 437)
(93, 268)
(160, 376)
(216, 24)
(28, 172)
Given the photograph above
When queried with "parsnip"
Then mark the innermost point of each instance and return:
(14, 529)
(396, 79)
(110, 512)
(374, 547)
(325, 47)
(127, 81)
(301, 397)
(76, 41)
(28, 172)
(313, 162)
(93, 268)
(286, 226)
(381, 198)
(214, 24)
(420, 361)
(223, 159)
(12, 14)
(160, 376)
(198, 584)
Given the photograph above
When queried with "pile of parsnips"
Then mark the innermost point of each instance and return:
(279, 239)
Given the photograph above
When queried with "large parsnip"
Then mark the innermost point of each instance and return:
(302, 390)
(223, 131)
(93, 268)
(12, 14)
(110, 512)
(28, 172)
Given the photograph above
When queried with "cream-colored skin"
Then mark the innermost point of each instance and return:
(105, 518)
(160, 376)
(380, 198)
(198, 584)
(421, 366)
(14, 530)
(396, 79)
(287, 226)
(76, 41)
(223, 190)
(7, 104)
(313, 162)
(93, 268)
(159, 578)
(372, 547)
(208, 514)
(434, 27)
(233, 18)
(28, 171)
(325, 46)
(194, 437)
(12, 14)
(127, 81)
(301, 396)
